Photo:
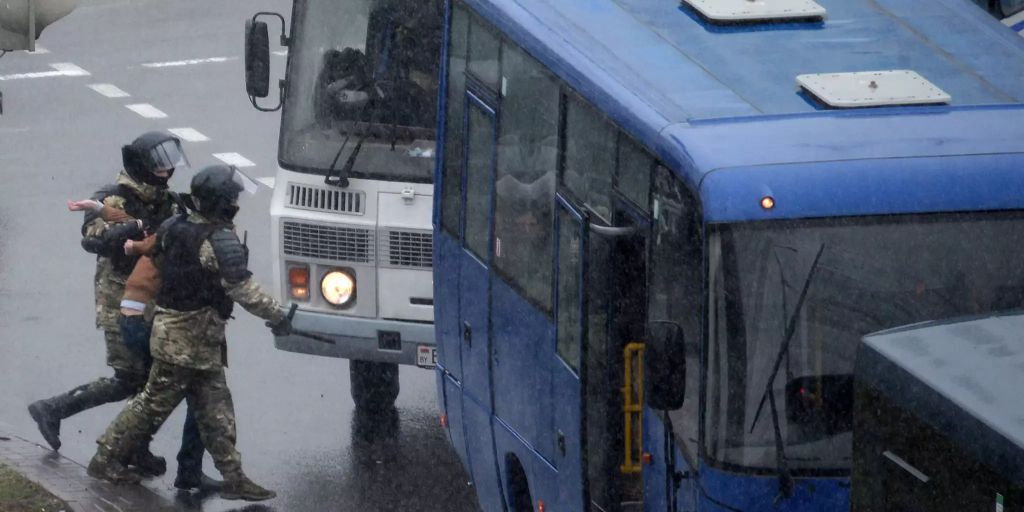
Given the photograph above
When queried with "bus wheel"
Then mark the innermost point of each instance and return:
(519, 487)
(374, 385)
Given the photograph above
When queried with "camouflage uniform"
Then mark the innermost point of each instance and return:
(111, 276)
(189, 351)
(139, 200)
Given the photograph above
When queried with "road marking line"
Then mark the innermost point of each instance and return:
(111, 503)
(269, 181)
(60, 69)
(38, 74)
(39, 51)
(109, 90)
(234, 159)
(189, 134)
(281, 53)
(69, 69)
(189, 62)
(146, 110)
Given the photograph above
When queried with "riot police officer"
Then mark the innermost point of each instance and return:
(204, 270)
(141, 192)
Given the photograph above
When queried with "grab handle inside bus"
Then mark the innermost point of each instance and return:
(665, 366)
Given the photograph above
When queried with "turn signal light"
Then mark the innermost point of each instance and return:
(298, 282)
(540, 505)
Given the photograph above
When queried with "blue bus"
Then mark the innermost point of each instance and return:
(662, 228)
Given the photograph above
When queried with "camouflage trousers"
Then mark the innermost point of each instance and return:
(207, 394)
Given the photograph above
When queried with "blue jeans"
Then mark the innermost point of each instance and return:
(135, 334)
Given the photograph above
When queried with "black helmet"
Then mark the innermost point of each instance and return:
(152, 152)
(215, 191)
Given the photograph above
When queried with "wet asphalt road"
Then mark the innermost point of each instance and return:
(60, 139)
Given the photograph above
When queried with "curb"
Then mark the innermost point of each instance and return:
(67, 480)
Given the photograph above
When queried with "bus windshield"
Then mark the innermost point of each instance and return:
(363, 71)
(871, 274)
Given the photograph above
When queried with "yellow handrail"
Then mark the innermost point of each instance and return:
(633, 406)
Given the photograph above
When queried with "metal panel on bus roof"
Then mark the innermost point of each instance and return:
(872, 88)
(693, 63)
(757, 10)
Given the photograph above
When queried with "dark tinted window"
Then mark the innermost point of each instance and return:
(569, 299)
(527, 160)
(589, 156)
(676, 287)
(483, 54)
(479, 181)
(454, 154)
(634, 172)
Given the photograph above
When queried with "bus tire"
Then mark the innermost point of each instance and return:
(518, 486)
(374, 385)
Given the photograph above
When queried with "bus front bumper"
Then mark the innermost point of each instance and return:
(367, 339)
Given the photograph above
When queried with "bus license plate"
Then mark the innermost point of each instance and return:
(426, 356)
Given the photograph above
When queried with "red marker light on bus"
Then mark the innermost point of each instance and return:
(540, 505)
(444, 421)
(298, 282)
(767, 202)
(647, 458)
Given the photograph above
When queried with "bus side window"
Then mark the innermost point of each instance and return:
(633, 172)
(676, 287)
(483, 54)
(525, 187)
(589, 156)
(454, 141)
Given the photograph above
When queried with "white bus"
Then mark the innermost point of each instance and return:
(351, 209)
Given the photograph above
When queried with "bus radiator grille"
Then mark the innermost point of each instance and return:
(325, 200)
(406, 249)
(335, 243)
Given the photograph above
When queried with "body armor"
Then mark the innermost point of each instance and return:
(187, 285)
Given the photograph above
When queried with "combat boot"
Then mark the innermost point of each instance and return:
(196, 480)
(48, 421)
(239, 487)
(104, 466)
(49, 413)
(146, 462)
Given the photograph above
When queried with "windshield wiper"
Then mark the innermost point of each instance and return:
(785, 479)
(342, 179)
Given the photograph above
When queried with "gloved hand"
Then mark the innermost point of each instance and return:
(282, 328)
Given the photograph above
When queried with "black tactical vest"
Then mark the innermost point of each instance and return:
(150, 215)
(187, 286)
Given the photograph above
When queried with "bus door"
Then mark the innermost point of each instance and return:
(474, 283)
(567, 375)
(600, 309)
(617, 319)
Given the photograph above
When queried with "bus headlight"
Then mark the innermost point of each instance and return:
(338, 287)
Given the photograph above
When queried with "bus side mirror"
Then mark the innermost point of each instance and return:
(665, 366)
(257, 59)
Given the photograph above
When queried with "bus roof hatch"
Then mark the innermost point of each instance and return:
(872, 89)
(745, 11)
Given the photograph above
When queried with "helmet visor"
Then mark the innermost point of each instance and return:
(168, 155)
(244, 181)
